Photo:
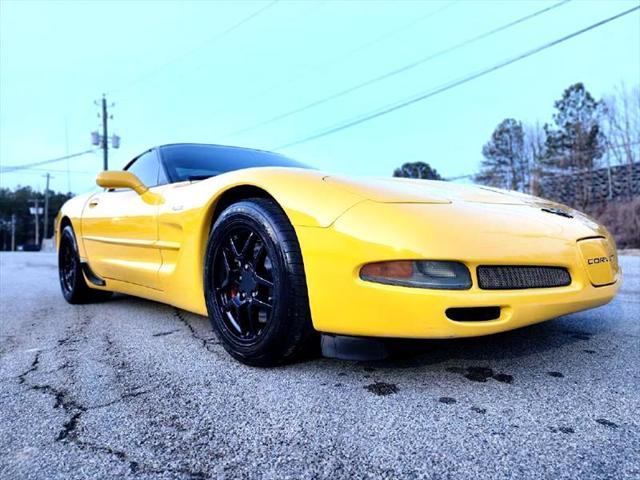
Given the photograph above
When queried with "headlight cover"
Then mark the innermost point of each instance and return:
(434, 274)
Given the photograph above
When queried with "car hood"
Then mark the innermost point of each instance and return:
(401, 190)
(475, 204)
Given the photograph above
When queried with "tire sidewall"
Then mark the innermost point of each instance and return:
(68, 237)
(247, 213)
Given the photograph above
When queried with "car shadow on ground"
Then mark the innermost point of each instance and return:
(524, 342)
(544, 338)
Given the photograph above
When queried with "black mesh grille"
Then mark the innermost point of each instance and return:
(516, 277)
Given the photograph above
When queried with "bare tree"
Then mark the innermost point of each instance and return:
(622, 124)
(622, 129)
(535, 152)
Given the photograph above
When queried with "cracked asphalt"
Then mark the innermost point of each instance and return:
(134, 389)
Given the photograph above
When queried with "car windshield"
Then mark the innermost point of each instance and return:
(197, 162)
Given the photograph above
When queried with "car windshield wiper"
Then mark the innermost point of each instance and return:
(193, 178)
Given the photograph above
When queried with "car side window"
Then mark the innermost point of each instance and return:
(147, 168)
(162, 176)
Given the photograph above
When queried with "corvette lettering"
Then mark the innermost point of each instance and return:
(597, 260)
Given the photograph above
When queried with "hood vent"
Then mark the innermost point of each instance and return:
(557, 211)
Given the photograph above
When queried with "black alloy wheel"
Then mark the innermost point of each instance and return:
(255, 286)
(243, 282)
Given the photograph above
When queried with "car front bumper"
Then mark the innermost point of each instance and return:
(342, 303)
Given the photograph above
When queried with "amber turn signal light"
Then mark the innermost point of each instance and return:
(398, 269)
(436, 274)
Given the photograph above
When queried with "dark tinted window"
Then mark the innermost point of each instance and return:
(146, 167)
(195, 162)
(162, 177)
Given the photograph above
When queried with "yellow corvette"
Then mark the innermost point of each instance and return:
(275, 252)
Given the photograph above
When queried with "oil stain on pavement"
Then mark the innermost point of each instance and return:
(382, 389)
(481, 374)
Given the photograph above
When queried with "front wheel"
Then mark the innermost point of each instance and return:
(255, 286)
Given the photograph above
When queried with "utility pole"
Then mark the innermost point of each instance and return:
(105, 136)
(45, 233)
(103, 140)
(13, 232)
(66, 145)
(36, 212)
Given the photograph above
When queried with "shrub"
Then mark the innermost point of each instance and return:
(622, 219)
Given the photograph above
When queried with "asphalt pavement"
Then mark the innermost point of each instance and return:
(134, 389)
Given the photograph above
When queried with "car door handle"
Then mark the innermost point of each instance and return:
(93, 203)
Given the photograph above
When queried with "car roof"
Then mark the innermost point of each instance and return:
(195, 144)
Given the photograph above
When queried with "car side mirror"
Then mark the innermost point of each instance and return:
(120, 179)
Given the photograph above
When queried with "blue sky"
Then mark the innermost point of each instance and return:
(174, 78)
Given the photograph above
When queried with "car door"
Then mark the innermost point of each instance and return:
(120, 228)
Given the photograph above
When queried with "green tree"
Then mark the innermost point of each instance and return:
(16, 202)
(420, 170)
(505, 163)
(575, 142)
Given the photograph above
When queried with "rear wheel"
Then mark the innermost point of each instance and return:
(255, 285)
(72, 283)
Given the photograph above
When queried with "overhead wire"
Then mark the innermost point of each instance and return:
(209, 41)
(368, 44)
(14, 168)
(607, 148)
(450, 85)
(40, 171)
(396, 71)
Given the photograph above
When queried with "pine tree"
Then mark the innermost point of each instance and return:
(16, 202)
(575, 142)
(505, 163)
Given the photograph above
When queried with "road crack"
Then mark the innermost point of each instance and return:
(205, 342)
(74, 411)
(22, 378)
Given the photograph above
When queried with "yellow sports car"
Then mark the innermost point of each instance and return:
(275, 252)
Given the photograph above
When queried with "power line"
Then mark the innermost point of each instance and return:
(14, 168)
(213, 39)
(607, 149)
(460, 177)
(363, 46)
(399, 70)
(448, 86)
(39, 171)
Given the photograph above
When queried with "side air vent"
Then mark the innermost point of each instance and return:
(499, 277)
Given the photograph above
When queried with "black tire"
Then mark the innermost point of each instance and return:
(261, 318)
(74, 287)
